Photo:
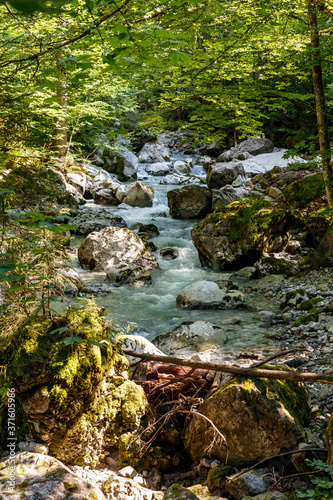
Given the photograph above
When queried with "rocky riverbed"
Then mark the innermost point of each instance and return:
(237, 284)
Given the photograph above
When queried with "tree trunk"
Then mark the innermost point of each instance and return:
(318, 88)
(61, 122)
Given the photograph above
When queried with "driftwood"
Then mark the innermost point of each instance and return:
(236, 370)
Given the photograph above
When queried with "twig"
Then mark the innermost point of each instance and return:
(294, 452)
(278, 355)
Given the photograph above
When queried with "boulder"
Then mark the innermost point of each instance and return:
(121, 162)
(70, 189)
(226, 195)
(41, 477)
(276, 264)
(89, 221)
(118, 488)
(123, 274)
(221, 174)
(250, 483)
(190, 202)
(180, 167)
(246, 149)
(146, 231)
(78, 399)
(236, 235)
(214, 149)
(208, 295)
(303, 190)
(169, 253)
(177, 179)
(193, 335)
(78, 179)
(42, 189)
(179, 492)
(103, 188)
(158, 169)
(257, 417)
(136, 195)
(114, 246)
(152, 152)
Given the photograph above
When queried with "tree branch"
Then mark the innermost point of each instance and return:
(237, 370)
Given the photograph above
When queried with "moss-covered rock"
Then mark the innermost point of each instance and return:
(236, 235)
(256, 417)
(70, 392)
(41, 189)
(216, 478)
(179, 492)
(305, 189)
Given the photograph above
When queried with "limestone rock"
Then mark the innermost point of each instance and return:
(41, 477)
(158, 169)
(169, 253)
(136, 195)
(221, 174)
(152, 152)
(114, 246)
(89, 221)
(238, 234)
(118, 488)
(121, 162)
(257, 418)
(208, 295)
(190, 202)
(179, 492)
(214, 149)
(246, 149)
(180, 167)
(226, 195)
(78, 179)
(177, 179)
(191, 334)
(123, 274)
(276, 265)
(250, 483)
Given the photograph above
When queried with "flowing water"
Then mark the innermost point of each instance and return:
(152, 309)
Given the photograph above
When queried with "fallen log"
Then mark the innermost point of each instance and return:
(237, 370)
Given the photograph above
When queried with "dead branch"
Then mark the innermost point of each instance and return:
(293, 452)
(237, 370)
(278, 355)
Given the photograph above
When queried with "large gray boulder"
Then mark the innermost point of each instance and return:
(221, 174)
(190, 202)
(152, 152)
(90, 220)
(41, 477)
(78, 179)
(257, 417)
(226, 195)
(246, 149)
(136, 195)
(114, 246)
(181, 167)
(121, 488)
(208, 295)
(158, 169)
(191, 337)
(121, 162)
(103, 188)
(236, 235)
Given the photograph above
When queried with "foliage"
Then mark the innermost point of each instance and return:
(322, 485)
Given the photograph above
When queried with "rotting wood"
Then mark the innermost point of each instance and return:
(291, 376)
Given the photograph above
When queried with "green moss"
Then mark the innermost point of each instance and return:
(306, 305)
(70, 487)
(304, 190)
(311, 316)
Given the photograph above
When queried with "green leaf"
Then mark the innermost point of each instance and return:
(71, 340)
(102, 343)
(59, 330)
